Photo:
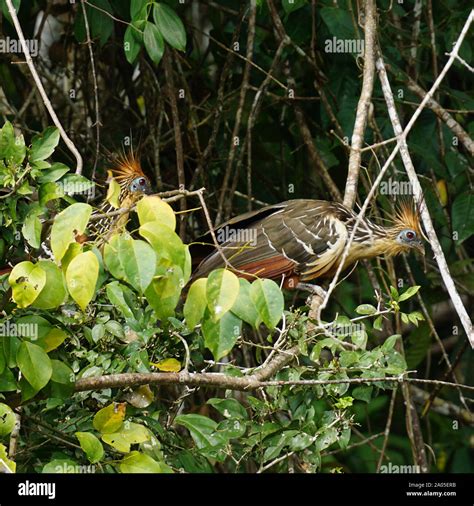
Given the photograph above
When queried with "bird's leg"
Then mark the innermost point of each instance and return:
(313, 289)
(314, 302)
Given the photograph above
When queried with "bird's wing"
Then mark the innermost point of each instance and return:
(292, 237)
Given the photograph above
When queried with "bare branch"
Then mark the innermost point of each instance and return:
(39, 84)
(357, 141)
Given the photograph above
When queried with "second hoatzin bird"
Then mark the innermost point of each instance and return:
(134, 184)
(302, 240)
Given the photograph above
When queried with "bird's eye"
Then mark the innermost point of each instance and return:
(410, 235)
(142, 181)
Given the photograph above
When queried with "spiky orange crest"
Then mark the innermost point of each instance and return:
(127, 166)
(407, 216)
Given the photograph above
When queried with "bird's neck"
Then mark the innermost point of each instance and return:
(374, 246)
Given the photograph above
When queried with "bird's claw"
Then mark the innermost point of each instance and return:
(313, 289)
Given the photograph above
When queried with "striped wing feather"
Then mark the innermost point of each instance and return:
(295, 237)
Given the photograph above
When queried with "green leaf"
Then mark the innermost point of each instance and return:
(91, 445)
(136, 462)
(152, 208)
(170, 26)
(222, 289)
(168, 247)
(196, 303)
(5, 11)
(164, 291)
(4, 457)
(244, 307)
(363, 393)
(62, 380)
(293, 5)
(101, 25)
(116, 294)
(54, 292)
(408, 293)
(12, 149)
(154, 43)
(27, 281)
(7, 420)
(359, 338)
(67, 224)
(131, 44)
(32, 227)
(220, 336)
(34, 364)
(138, 9)
(268, 300)
(394, 293)
(378, 323)
(390, 342)
(81, 278)
(366, 309)
(339, 22)
(43, 145)
(229, 408)
(130, 433)
(131, 260)
(202, 429)
(54, 173)
(61, 466)
(463, 216)
(113, 194)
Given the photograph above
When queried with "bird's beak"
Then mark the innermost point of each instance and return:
(420, 247)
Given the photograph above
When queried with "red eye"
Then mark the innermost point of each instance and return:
(142, 182)
(410, 235)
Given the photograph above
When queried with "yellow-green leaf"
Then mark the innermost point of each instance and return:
(91, 445)
(27, 281)
(113, 194)
(67, 224)
(54, 292)
(168, 365)
(152, 208)
(110, 418)
(196, 303)
(81, 278)
(222, 289)
(130, 433)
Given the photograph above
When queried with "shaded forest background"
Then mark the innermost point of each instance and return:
(256, 121)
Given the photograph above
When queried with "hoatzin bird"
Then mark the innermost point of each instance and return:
(134, 184)
(302, 240)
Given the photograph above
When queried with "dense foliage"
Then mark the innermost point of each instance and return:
(177, 77)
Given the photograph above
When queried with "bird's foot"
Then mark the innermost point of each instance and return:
(313, 289)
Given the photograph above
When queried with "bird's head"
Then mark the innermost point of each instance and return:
(129, 174)
(406, 231)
